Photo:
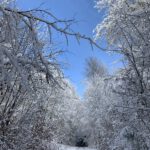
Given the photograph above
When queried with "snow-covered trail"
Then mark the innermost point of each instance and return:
(64, 147)
(56, 146)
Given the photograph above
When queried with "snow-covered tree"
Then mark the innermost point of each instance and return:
(99, 100)
(31, 80)
(94, 68)
(126, 29)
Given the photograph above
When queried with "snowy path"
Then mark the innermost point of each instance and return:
(56, 146)
(63, 147)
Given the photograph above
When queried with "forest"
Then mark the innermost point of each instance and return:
(40, 108)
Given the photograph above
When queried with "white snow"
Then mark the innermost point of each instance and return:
(66, 147)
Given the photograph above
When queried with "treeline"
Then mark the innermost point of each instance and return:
(38, 105)
(118, 105)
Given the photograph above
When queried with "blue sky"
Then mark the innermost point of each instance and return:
(87, 17)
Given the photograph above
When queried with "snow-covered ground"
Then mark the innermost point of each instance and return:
(56, 146)
(64, 147)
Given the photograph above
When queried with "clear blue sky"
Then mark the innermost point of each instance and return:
(88, 17)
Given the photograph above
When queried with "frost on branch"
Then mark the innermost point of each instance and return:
(126, 29)
(32, 88)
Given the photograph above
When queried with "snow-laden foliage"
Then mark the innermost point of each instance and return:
(126, 29)
(49, 119)
(94, 68)
(5, 2)
(23, 63)
(37, 105)
(99, 101)
(39, 108)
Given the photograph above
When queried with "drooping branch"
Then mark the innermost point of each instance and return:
(66, 31)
